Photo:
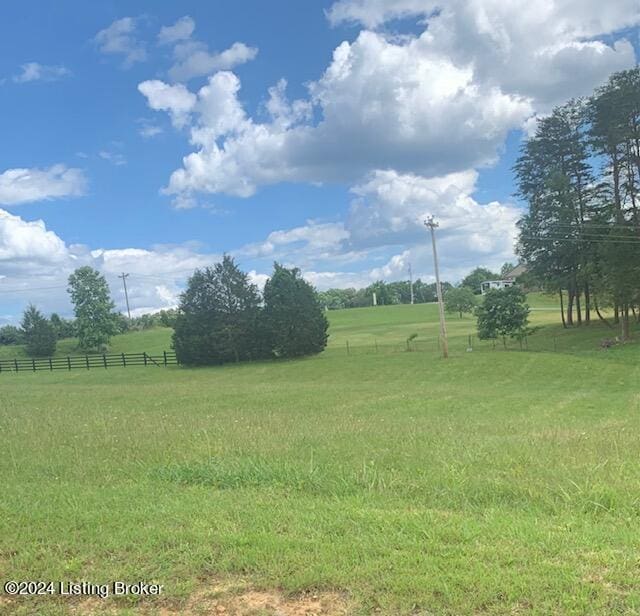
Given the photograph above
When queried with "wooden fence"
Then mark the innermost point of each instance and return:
(86, 362)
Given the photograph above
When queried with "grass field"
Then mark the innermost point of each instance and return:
(364, 480)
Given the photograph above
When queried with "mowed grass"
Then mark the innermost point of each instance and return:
(497, 482)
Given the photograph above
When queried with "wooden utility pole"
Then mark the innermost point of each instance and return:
(126, 295)
(443, 326)
(411, 282)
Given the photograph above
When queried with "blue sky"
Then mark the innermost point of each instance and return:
(391, 110)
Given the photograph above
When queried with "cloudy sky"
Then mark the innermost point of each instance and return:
(151, 138)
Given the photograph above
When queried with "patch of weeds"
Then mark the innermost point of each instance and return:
(237, 473)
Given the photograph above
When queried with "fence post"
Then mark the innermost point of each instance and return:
(164, 353)
(15, 363)
(124, 361)
(87, 360)
(104, 359)
(145, 357)
(50, 365)
(68, 362)
(33, 362)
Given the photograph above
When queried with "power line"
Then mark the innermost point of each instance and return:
(32, 289)
(632, 242)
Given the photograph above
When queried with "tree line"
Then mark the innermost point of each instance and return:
(222, 317)
(580, 177)
(389, 293)
(95, 322)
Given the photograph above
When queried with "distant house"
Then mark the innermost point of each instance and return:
(508, 281)
(487, 285)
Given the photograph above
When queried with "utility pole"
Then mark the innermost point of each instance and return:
(411, 283)
(443, 326)
(126, 295)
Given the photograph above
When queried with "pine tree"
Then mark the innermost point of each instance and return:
(39, 335)
(217, 320)
(293, 321)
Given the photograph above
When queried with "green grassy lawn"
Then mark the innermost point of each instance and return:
(498, 482)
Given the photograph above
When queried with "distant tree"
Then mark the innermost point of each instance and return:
(384, 296)
(218, 317)
(64, 328)
(504, 312)
(168, 317)
(292, 319)
(9, 334)
(122, 323)
(96, 320)
(426, 293)
(477, 277)
(459, 299)
(39, 335)
(506, 268)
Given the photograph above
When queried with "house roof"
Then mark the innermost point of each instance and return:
(518, 270)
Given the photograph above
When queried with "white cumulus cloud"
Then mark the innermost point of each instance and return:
(179, 31)
(544, 50)
(176, 100)
(430, 104)
(383, 104)
(28, 185)
(193, 59)
(120, 39)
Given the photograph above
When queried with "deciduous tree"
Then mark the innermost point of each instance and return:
(96, 320)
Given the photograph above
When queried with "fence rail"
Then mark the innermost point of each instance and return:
(86, 362)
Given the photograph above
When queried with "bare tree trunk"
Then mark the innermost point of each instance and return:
(570, 306)
(587, 303)
(616, 313)
(578, 309)
(595, 305)
(626, 330)
(564, 323)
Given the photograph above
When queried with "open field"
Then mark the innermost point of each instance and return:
(366, 480)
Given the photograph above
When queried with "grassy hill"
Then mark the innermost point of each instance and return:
(370, 481)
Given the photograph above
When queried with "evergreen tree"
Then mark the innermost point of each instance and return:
(38, 333)
(217, 320)
(555, 177)
(292, 320)
(96, 320)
